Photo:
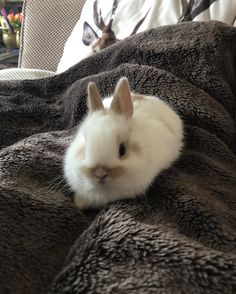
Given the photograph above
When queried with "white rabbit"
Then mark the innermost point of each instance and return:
(119, 150)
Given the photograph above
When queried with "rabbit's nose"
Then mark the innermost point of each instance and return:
(100, 173)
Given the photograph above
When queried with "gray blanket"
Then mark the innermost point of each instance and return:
(181, 236)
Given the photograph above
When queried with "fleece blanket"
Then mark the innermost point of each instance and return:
(180, 237)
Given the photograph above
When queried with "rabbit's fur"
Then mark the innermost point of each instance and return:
(119, 150)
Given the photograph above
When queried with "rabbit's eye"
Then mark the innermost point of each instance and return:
(122, 149)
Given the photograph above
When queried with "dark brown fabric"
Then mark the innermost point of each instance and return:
(178, 238)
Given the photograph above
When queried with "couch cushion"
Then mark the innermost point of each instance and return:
(24, 74)
(46, 27)
(128, 13)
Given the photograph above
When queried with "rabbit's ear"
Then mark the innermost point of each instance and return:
(122, 100)
(94, 98)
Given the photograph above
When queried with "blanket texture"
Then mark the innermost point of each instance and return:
(181, 236)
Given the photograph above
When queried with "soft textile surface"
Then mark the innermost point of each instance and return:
(178, 238)
(140, 14)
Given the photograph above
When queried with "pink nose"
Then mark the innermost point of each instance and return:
(101, 174)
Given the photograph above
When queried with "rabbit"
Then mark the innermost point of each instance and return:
(121, 147)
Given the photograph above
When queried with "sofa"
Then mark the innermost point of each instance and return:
(43, 32)
(47, 25)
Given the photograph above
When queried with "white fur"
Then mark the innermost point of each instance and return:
(154, 126)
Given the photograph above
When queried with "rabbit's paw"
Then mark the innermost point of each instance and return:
(80, 202)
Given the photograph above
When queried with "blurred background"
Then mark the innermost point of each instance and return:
(10, 29)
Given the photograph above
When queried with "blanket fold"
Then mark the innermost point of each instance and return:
(180, 237)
